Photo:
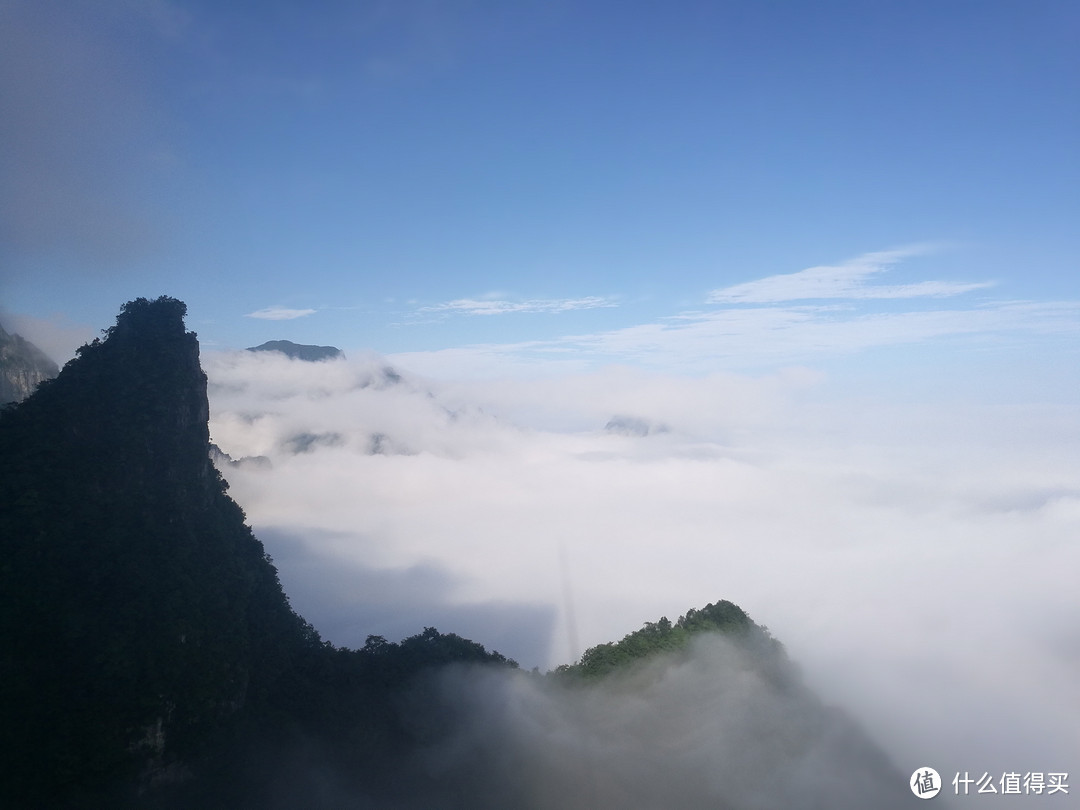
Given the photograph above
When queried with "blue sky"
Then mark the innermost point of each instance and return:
(573, 169)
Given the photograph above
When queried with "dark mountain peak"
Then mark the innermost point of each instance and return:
(143, 319)
(138, 611)
(299, 351)
(22, 367)
(138, 395)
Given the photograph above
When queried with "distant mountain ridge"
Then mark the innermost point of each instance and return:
(299, 351)
(22, 367)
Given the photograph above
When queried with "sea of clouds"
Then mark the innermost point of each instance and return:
(917, 561)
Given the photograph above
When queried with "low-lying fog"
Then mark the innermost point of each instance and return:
(917, 562)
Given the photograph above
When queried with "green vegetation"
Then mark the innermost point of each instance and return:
(656, 638)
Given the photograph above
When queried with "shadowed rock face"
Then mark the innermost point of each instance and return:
(135, 605)
(299, 351)
(22, 366)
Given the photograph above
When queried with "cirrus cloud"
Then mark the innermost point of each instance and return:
(485, 306)
(279, 314)
(847, 280)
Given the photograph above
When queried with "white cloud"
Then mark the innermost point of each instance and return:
(788, 334)
(485, 306)
(752, 338)
(279, 313)
(777, 331)
(915, 559)
(703, 730)
(848, 280)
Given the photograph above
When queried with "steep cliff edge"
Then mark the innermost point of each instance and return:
(148, 656)
(138, 611)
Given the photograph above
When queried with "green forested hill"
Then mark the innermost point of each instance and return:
(663, 637)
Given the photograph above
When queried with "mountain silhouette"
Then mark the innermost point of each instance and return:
(299, 351)
(150, 659)
(145, 640)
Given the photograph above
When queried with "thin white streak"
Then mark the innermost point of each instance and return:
(743, 338)
(847, 280)
(474, 306)
(279, 314)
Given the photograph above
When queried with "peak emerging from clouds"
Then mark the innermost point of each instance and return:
(299, 351)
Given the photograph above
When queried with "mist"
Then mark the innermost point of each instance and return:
(721, 726)
(916, 559)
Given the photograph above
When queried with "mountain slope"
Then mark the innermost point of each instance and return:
(148, 656)
(22, 366)
(139, 612)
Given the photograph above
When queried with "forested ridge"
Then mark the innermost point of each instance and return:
(665, 638)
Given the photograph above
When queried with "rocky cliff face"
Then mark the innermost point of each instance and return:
(137, 611)
(22, 366)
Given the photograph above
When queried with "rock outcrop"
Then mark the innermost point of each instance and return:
(22, 367)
